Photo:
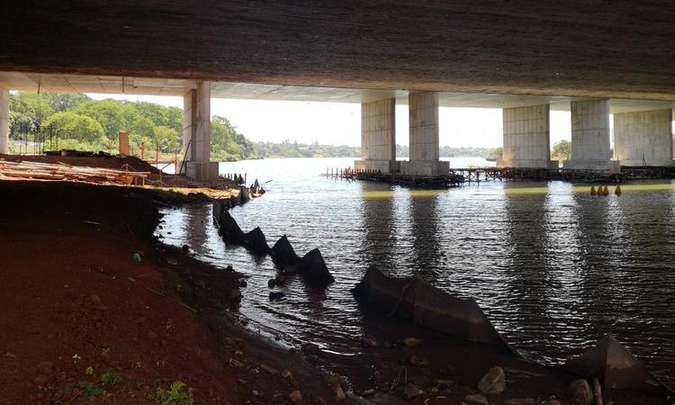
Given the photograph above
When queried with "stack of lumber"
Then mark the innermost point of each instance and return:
(26, 170)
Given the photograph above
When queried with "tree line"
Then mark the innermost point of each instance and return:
(76, 121)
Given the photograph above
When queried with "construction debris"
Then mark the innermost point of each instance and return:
(25, 170)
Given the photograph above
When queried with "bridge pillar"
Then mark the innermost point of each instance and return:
(378, 136)
(4, 120)
(527, 138)
(590, 137)
(197, 134)
(644, 138)
(424, 148)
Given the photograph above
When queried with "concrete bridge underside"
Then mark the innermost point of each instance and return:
(576, 48)
(592, 58)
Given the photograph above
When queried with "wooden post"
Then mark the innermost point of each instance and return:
(123, 143)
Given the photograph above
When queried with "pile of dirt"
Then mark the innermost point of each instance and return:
(116, 162)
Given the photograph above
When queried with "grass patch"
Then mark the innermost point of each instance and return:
(177, 394)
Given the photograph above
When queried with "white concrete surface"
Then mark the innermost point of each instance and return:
(423, 111)
(527, 138)
(423, 144)
(80, 83)
(644, 138)
(4, 120)
(378, 136)
(590, 137)
(197, 133)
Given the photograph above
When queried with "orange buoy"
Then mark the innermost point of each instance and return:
(617, 190)
(605, 191)
(593, 192)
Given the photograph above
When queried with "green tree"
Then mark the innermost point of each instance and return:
(167, 139)
(161, 116)
(28, 107)
(226, 143)
(65, 101)
(20, 124)
(561, 150)
(110, 114)
(69, 125)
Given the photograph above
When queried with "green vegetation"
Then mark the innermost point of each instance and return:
(75, 121)
(561, 150)
(110, 377)
(295, 149)
(94, 388)
(89, 389)
(227, 144)
(177, 394)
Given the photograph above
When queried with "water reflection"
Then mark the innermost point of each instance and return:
(644, 310)
(526, 276)
(553, 267)
(195, 227)
(378, 224)
(424, 219)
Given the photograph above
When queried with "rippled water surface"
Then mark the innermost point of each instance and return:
(553, 267)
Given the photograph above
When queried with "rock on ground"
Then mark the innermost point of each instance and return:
(581, 393)
(494, 382)
(476, 399)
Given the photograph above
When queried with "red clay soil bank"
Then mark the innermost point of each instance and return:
(75, 305)
(105, 161)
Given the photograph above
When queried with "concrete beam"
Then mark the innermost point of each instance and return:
(590, 137)
(197, 133)
(644, 138)
(378, 136)
(527, 140)
(4, 120)
(459, 45)
(424, 148)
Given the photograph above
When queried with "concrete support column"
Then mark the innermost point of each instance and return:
(378, 136)
(527, 138)
(590, 137)
(197, 133)
(644, 138)
(424, 148)
(4, 121)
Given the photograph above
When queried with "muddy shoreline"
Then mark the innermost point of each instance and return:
(77, 304)
(86, 236)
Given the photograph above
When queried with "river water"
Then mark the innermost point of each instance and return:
(553, 267)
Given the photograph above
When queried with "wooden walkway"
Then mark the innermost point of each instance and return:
(459, 176)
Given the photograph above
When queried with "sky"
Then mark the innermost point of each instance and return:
(340, 123)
